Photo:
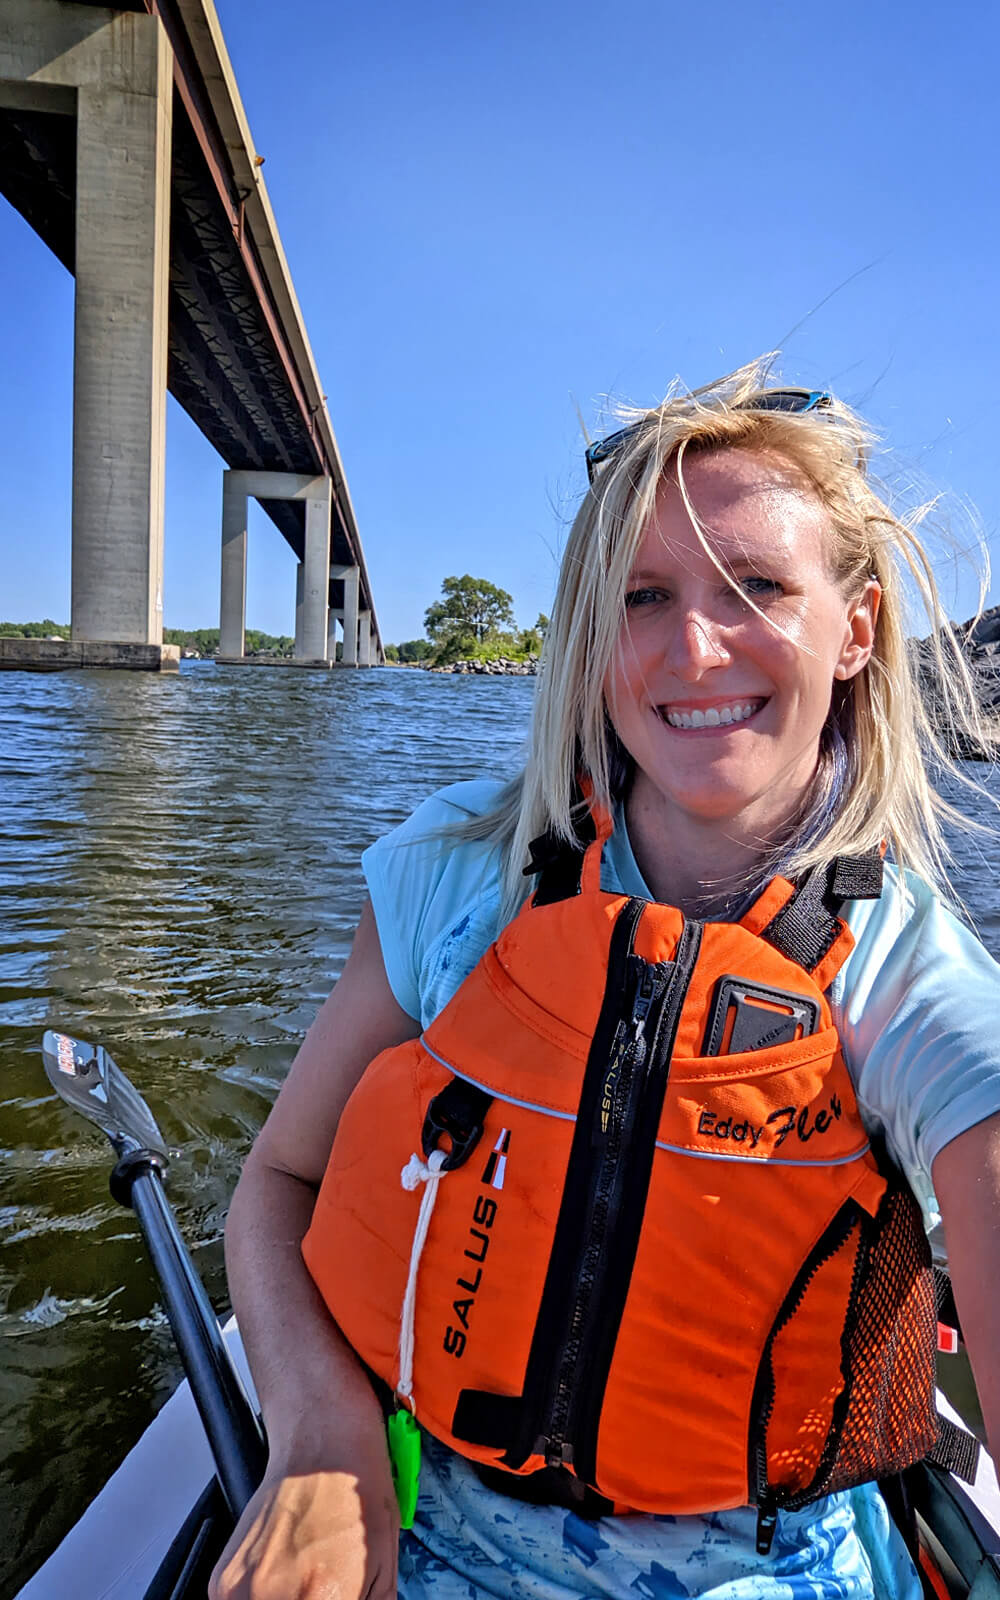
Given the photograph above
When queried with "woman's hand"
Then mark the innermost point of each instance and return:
(314, 1533)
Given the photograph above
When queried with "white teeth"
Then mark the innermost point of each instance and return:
(713, 717)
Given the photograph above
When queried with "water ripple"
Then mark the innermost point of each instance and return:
(180, 880)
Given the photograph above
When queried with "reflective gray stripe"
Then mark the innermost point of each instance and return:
(674, 1149)
(508, 1099)
(764, 1161)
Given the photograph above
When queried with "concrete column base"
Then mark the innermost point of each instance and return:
(314, 663)
(62, 655)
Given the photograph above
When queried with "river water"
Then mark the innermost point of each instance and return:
(179, 880)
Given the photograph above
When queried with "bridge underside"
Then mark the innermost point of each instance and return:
(223, 366)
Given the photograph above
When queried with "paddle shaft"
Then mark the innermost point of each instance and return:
(233, 1431)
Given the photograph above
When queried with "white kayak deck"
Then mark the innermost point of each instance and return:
(113, 1552)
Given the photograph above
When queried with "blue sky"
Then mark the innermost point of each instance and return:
(491, 210)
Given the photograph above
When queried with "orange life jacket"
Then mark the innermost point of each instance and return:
(661, 1254)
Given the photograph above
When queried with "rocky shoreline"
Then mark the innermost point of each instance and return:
(501, 667)
(981, 646)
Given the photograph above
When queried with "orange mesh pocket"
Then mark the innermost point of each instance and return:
(845, 1391)
(891, 1418)
(806, 1359)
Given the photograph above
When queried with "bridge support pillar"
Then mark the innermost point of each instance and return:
(120, 347)
(352, 585)
(364, 638)
(233, 602)
(311, 634)
(312, 576)
(116, 71)
(331, 638)
(300, 600)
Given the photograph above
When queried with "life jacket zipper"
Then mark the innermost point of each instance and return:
(623, 1139)
(628, 1054)
(564, 1258)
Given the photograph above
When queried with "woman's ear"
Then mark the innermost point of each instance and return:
(860, 637)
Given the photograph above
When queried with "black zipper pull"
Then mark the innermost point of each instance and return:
(644, 996)
(628, 1050)
(650, 985)
(767, 1522)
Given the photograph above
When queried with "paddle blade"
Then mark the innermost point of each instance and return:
(85, 1076)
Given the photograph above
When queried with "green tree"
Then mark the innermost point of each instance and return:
(33, 630)
(469, 607)
(415, 649)
(206, 641)
(455, 646)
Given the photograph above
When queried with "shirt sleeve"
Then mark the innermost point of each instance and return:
(420, 881)
(917, 1006)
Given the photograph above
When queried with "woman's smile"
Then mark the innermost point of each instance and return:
(711, 716)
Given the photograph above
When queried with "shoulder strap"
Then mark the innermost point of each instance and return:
(558, 864)
(808, 925)
(566, 867)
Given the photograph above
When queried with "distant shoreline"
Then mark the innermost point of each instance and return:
(498, 667)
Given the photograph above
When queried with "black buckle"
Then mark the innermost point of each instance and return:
(458, 1112)
(542, 853)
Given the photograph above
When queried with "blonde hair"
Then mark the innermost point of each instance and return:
(893, 740)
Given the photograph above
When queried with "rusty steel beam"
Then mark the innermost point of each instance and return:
(187, 81)
(198, 20)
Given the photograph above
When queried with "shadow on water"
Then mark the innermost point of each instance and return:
(181, 880)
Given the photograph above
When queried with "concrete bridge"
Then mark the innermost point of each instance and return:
(124, 143)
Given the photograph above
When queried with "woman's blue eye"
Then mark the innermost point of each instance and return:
(642, 597)
(758, 587)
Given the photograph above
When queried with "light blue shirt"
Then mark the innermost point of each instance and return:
(915, 1005)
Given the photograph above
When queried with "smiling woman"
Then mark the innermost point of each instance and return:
(631, 1029)
(765, 486)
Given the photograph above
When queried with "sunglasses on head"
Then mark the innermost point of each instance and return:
(791, 400)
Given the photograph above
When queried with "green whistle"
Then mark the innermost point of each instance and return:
(403, 1434)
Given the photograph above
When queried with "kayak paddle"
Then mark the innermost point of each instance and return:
(85, 1076)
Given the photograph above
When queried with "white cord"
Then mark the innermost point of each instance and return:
(416, 1172)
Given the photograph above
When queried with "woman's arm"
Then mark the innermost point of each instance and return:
(324, 1519)
(966, 1177)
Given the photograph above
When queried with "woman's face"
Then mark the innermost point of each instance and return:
(722, 707)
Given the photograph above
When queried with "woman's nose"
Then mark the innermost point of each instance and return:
(696, 643)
